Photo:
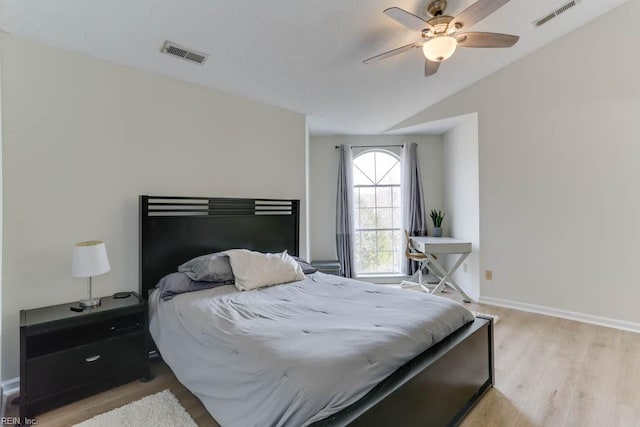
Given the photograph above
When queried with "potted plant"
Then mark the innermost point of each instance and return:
(437, 217)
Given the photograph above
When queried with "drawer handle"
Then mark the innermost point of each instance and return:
(125, 328)
(92, 358)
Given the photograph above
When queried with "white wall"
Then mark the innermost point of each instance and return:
(323, 175)
(305, 251)
(559, 151)
(1, 212)
(462, 199)
(82, 138)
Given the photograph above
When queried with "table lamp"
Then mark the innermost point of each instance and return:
(89, 259)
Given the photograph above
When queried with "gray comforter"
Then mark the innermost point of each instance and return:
(293, 354)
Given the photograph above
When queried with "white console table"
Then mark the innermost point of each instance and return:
(431, 246)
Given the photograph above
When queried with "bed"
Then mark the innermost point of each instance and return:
(417, 384)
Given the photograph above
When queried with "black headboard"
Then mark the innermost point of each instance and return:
(175, 229)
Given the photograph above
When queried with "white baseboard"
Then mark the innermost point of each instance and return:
(565, 314)
(10, 390)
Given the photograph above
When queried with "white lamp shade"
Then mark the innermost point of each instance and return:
(89, 259)
(440, 48)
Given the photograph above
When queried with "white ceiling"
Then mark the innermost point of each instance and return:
(302, 55)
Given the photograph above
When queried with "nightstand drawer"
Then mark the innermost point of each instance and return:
(61, 371)
(51, 342)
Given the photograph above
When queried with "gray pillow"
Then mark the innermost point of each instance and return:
(306, 267)
(210, 268)
(178, 283)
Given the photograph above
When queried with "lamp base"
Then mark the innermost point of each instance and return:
(92, 302)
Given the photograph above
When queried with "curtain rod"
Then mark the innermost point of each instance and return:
(373, 146)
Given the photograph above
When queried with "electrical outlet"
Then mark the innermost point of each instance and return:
(464, 267)
(488, 274)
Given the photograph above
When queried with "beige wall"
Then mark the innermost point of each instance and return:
(559, 152)
(462, 199)
(323, 173)
(82, 138)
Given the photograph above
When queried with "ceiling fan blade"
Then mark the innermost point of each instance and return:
(430, 67)
(393, 52)
(486, 40)
(407, 19)
(477, 12)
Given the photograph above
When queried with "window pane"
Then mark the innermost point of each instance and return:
(398, 247)
(357, 249)
(398, 241)
(366, 164)
(367, 218)
(385, 241)
(384, 163)
(396, 196)
(368, 261)
(384, 197)
(359, 178)
(367, 197)
(368, 241)
(357, 262)
(384, 217)
(397, 262)
(356, 218)
(393, 177)
(397, 218)
(385, 262)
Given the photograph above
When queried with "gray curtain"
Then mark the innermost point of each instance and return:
(344, 212)
(414, 214)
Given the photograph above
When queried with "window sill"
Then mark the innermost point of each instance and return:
(382, 278)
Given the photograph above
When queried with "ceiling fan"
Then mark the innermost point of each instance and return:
(441, 33)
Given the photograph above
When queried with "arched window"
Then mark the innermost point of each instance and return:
(378, 218)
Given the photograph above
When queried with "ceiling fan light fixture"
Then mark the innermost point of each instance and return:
(440, 48)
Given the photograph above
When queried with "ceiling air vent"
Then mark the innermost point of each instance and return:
(549, 16)
(173, 49)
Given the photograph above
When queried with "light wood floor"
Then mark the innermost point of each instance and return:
(549, 372)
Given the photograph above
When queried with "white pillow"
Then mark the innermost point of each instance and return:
(254, 270)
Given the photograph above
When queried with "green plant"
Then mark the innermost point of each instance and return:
(437, 217)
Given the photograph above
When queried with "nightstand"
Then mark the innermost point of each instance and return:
(67, 355)
(328, 267)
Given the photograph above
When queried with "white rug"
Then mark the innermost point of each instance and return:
(158, 410)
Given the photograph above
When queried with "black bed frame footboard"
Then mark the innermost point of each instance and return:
(437, 388)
